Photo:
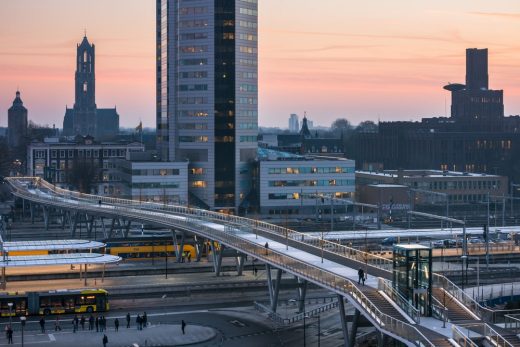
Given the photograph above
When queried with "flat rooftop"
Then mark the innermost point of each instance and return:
(424, 173)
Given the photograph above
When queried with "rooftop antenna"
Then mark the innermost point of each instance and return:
(85, 31)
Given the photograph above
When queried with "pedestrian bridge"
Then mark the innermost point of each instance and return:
(310, 259)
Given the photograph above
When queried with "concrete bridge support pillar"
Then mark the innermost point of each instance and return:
(46, 216)
(344, 323)
(90, 226)
(180, 250)
(241, 259)
(273, 286)
(199, 246)
(31, 209)
(302, 293)
(353, 331)
(381, 339)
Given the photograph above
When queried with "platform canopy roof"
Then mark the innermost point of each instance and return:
(52, 245)
(58, 259)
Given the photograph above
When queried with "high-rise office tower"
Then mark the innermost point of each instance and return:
(474, 102)
(294, 123)
(207, 95)
(477, 69)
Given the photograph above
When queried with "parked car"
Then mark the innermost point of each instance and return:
(389, 241)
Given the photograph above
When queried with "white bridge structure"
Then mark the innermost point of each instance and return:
(309, 258)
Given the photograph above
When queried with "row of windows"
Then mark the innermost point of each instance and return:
(310, 170)
(193, 87)
(248, 113)
(87, 153)
(248, 139)
(197, 100)
(248, 62)
(192, 10)
(194, 49)
(248, 126)
(248, 11)
(193, 126)
(311, 183)
(193, 36)
(193, 138)
(461, 184)
(193, 23)
(193, 113)
(248, 24)
(248, 101)
(298, 196)
(248, 50)
(248, 37)
(191, 62)
(248, 88)
(154, 185)
(248, 74)
(152, 172)
(194, 74)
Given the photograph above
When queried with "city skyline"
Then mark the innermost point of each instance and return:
(338, 64)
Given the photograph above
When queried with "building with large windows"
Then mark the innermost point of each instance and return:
(82, 164)
(207, 95)
(290, 184)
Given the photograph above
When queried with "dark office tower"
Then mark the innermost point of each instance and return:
(85, 118)
(17, 123)
(477, 69)
(207, 95)
(473, 103)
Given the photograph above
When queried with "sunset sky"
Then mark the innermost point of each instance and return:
(359, 60)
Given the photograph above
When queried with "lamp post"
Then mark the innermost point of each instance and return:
(22, 321)
(166, 260)
(304, 332)
(10, 304)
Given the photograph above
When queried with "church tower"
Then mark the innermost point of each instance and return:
(85, 118)
(85, 103)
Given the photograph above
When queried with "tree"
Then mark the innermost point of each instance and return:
(82, 175)
(367, 127)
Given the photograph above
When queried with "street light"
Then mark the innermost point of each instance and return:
(22, 321)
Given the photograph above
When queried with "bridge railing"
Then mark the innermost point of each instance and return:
(298, 267)
(254, 225)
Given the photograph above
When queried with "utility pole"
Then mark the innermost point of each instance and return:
(332, 212)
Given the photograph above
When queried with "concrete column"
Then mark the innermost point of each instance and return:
(302, 293)
(219, 260)
(344, 323)
(353, 332)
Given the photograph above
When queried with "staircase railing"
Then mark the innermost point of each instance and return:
(488, 332)
(460, 338)
(405, 305)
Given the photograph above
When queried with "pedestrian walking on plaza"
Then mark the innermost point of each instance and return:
(73, 325)
(91, 322)
(255, 270)
(128, 320)
(57, 324)
(97, 324)
(266, 248)
(145, 319)
(103, 323)
(105, 340)
(76, 322)
(116, 324)
(10, 335)
(82, 322)
(183, 326)
(42, 325)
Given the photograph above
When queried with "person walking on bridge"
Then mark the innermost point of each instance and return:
(361, 276)
(266, 248)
